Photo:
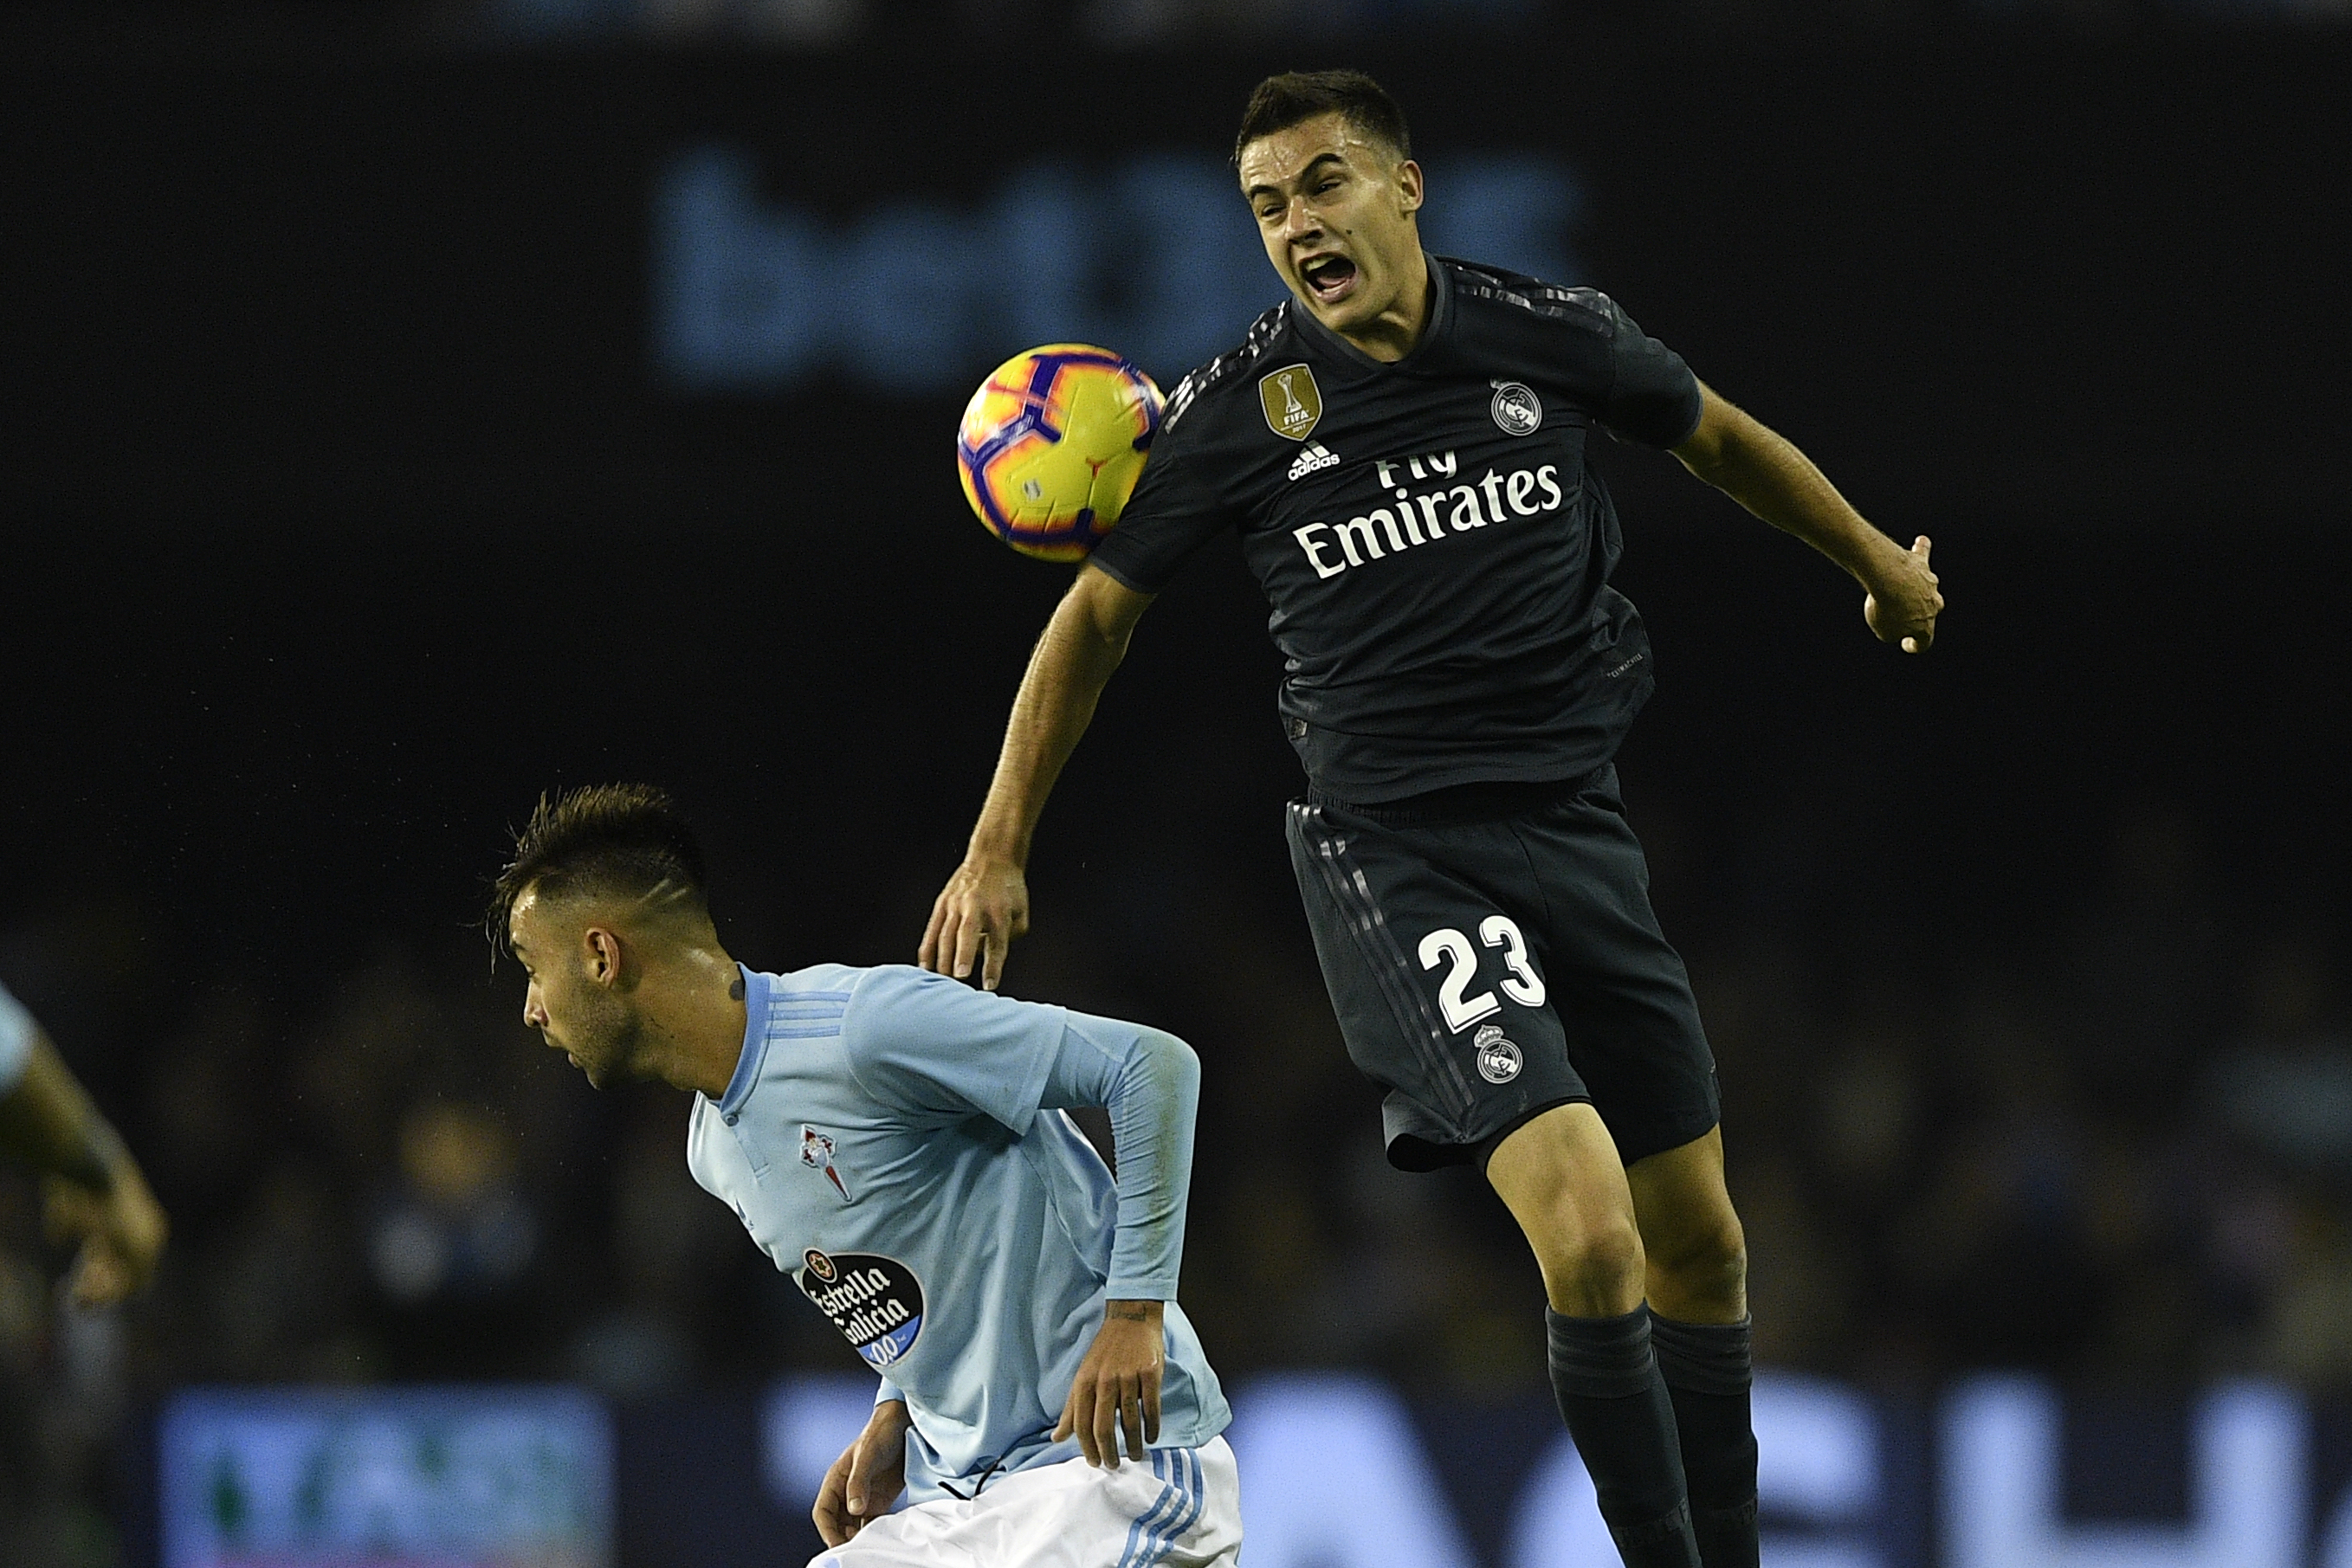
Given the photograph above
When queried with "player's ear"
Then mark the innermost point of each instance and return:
(1409, 187)
(601, 952)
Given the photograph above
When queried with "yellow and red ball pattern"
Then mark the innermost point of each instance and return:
(1052, 444)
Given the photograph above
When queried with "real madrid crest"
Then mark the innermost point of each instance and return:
(1498, 1057)
(1517, 409)
(1293, 402)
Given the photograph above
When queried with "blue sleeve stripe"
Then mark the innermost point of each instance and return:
(803, 1030)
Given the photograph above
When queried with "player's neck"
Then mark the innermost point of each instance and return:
(698, 1014)
(1390, 335)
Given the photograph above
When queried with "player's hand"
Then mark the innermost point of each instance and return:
(867, 1479)
(1118, 1385)
(122, 1234)
(976, 917)
(1902, 604)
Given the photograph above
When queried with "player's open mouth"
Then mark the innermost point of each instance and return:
(1327, 277)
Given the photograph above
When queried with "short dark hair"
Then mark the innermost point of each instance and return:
(1294, 97)
(619, 840)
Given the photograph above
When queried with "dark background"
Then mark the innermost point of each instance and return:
(343, 512)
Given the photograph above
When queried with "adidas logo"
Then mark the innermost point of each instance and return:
(1316, 455)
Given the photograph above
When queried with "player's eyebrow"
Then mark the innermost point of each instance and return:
(1266, 188)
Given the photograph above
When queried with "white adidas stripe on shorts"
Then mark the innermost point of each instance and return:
(1175, 1508)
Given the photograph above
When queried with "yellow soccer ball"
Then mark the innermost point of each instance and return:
(1052, 444)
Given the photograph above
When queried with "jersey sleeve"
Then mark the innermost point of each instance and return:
(935, 1050)
(1652, 397)
(1150, 1082)
(1174, 512)
(16, 1041)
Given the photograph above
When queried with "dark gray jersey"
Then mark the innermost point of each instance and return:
(1435, 552)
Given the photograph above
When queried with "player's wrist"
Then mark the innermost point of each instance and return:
(1134, 1309)
(1880, 558)
(997, 848)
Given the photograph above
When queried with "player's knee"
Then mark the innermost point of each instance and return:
(1707, 1263)
(1594, 1270)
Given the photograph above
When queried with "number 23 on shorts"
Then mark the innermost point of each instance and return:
(1447, 946)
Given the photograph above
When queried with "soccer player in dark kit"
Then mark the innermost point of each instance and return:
(1400, 445)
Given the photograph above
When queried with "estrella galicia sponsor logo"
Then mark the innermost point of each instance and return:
(1417, 517)
(1498, 1059)
(1517, 409)
(1315, 457)
(1292, 401)
(875, 1302)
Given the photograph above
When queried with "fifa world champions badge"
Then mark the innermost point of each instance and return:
(816, 1153)
(1292, 402)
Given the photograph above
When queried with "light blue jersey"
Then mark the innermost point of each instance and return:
(16, 1041)
(882, 1141)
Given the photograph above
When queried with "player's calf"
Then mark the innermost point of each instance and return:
(1707, 1373)
(1560, 1177)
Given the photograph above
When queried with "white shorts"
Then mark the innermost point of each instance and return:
(1179, 1508)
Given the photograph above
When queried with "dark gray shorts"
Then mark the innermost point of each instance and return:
(1492, 953)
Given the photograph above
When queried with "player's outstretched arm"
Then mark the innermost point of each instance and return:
(94, 1191)
(866, 1479)
(985, 903)
(1765, 473)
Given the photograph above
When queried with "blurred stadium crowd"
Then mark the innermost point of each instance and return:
(1152, 23)
(2127, 1161)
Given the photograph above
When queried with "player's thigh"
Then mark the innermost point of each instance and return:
(926, 1535)
(1620, 991)
(1439, 994)
(1179, 1508)
(1691, 1231)
(1560, 1177)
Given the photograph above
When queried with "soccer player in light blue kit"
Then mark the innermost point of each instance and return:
(893, 1140)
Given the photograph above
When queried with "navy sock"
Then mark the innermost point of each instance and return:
(1707, 1372)
(1616, 1406)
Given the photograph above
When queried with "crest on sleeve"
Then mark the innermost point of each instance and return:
(816, 1153)
(1292, 402)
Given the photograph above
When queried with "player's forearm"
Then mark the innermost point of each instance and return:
(48, 1123)
(1764, 472)
(1150, 1082)
(1152, 1103)
(1072, 663)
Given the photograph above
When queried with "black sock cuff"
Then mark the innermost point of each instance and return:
(1662, 1542)
(1704, 1358)
(1601, 1358)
